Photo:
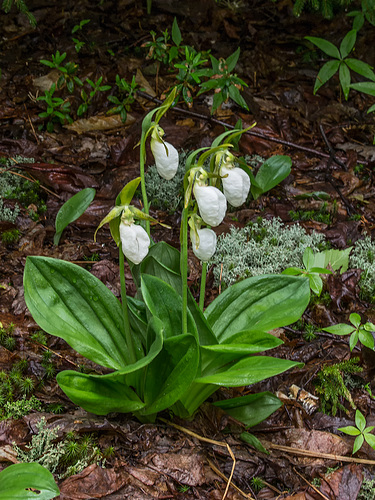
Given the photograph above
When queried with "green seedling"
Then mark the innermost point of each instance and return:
(72, 210)
(24, 480)
(68, 71)
(225, 83)
(361, 432)
(58, 109)
(126, 98)
(79, 44)
(311, 271)
(190, 72)
(88, 97)
(340, 62)
(357, 331)
(367, 12)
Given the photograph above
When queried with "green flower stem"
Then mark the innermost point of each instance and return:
(128, 335)
(184, 267)
(142, 159)
(202, 292)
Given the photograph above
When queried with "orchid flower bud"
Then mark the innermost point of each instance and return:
(205, 248)
(135, 241)
(166, 155)
(236, 185)
(212, 204)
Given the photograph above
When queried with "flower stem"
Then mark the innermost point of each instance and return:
(128, 335)
(184, 267)
(142, 159)
(202, 292)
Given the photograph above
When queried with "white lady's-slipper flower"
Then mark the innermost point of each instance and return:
(135, 242)
(236, 186)
(166, 158)
(207, 243)
(212, 204)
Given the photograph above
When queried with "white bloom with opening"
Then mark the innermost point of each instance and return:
(166, 155)
(135, 241)
(212, 203)
(206, 246)
(236, 185)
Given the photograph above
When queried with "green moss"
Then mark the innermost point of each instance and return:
(332, 384)
(10, 237)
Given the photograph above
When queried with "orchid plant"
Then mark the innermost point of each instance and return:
(161, 350)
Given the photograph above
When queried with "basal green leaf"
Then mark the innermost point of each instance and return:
(251, 409)
(360, 420)
(69, 302)
(370, 439)
(316, 283)
(171, 373)
(72, 210)
(326, 73)
(355, 319)
(166, 304)
(21, 481)
(365, 87)
(324, 45)
(353, 339)
(176, 33)
(99, 394)
(249, 371)
(248, 305)
(271, 173)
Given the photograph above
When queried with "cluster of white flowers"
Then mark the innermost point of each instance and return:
(212, 203)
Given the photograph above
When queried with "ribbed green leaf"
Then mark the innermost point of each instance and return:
(271, 173)
(251, 409)
(166, 304)
(72, 210)
(344, 76)
(258, 303)
(19, 482)
(99, 394)
(249, 371)
(348, 43)
(171, 373)
(69, 302)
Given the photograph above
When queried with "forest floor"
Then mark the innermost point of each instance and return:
(330, 143)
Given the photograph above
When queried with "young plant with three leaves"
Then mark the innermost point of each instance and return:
(163, 350)
(224, 82)
(361, 432)
(340, 62)
(357, 331)
(127, 94)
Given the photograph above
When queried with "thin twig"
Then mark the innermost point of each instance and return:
(219, 473)
(211, 119)
(311, 485)
(211, 441)
(317, 454)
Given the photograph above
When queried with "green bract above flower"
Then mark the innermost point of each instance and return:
(206, 246)
(212, 204)
(135, 242)
(236, 185)
(166, 155)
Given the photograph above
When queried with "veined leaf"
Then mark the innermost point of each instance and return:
(326, 72)
(326, 46)
(251, 409)
(72, 210)
(271, 173)
(248, 305)
(249, 371)
(69, 302)
(348, 43)
(20, 482)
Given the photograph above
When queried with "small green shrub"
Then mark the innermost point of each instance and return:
(263, 247)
